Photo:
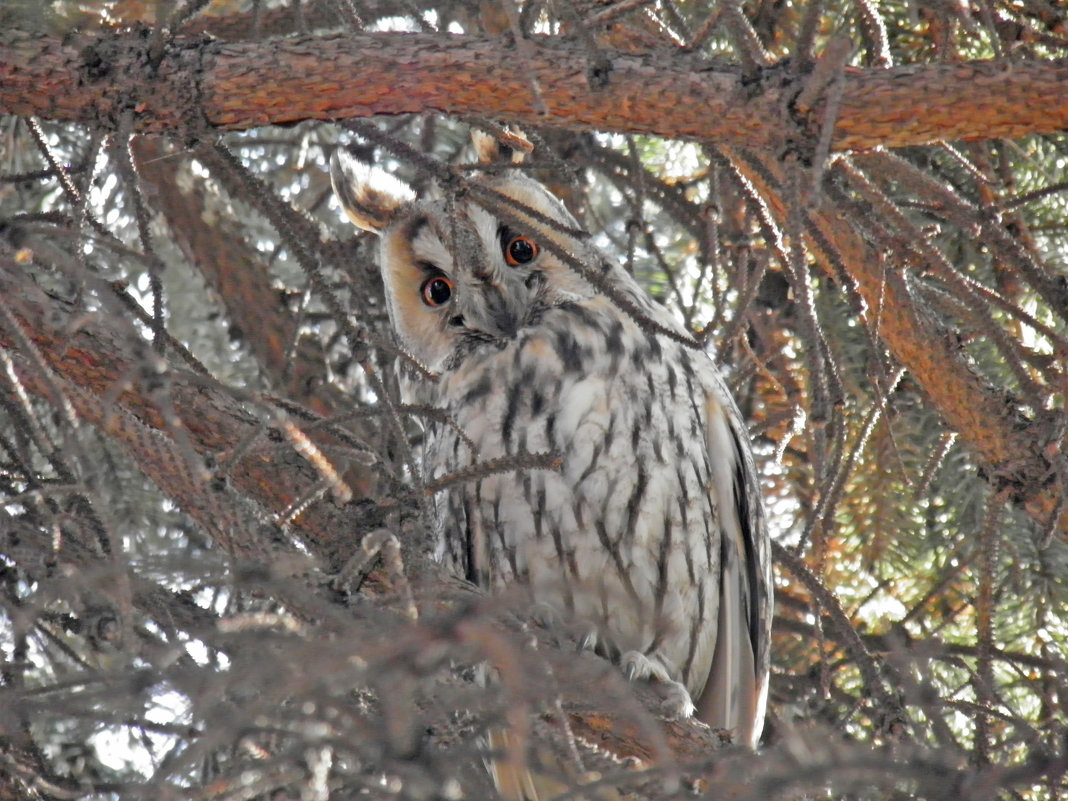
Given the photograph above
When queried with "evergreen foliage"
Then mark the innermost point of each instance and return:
(201, 435)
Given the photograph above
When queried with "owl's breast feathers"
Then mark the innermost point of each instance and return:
(655, 509)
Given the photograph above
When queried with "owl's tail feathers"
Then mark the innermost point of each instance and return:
(731, 699)
(544, 777)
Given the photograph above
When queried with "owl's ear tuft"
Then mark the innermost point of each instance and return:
(370, 196)
(510, 144)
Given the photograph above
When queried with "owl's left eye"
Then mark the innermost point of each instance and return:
(518, 249)
(436, 291)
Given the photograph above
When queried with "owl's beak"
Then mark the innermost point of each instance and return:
(493, 311)
(505, 318)
(507, 327)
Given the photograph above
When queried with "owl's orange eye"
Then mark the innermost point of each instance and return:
(436, 291)
(520, 250)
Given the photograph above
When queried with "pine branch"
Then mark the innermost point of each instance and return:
(200, 87)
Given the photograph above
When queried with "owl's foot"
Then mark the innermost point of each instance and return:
(676, 700)
(544, 615)
(596, 642)
(636, 666)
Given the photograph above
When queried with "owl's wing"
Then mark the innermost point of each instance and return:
(735, 695)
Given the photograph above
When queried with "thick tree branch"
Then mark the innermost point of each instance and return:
(200, 84)
(216, 247)
(109, 382)
(1011, 449)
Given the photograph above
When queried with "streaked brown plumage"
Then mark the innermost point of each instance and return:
(652, 536)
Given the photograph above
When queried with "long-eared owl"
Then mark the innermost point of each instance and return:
(651, 536)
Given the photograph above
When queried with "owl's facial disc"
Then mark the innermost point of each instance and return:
(447, 300)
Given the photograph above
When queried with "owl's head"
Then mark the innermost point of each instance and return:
(463, 274)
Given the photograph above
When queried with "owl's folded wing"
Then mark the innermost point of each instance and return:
(735, 695)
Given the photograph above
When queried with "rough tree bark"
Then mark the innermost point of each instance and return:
(193, 85)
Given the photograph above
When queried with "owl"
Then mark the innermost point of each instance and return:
(651, 537)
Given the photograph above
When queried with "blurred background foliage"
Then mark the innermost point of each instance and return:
(180, 613)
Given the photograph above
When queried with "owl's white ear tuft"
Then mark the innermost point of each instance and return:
(369, 195)
(510, 145)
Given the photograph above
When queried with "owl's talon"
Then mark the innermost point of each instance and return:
(675, 698)
(636, 665)
(588, 641)
(676, 702)
(544, 615)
